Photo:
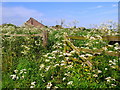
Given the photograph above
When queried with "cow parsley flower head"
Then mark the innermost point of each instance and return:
(70, 82)
(15, 71)
(49, 85)
(99, 71)
(31, 86)
(13, 76)
(64, 78)
(95, 75)
(42, 66)
(33, 83)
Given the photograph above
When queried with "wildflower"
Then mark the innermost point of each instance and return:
(47, 60)
(70, 82)
(86, 70)
(82, 55)
(55, 87)
(54, 51)
(22, 76)
(97, 42)
(67, 58)
(95, 75)
(116, 44)
(116, 48)
(54, 57)
(104, 48)
(68, 54)
(21, 71)
(41, 75)
(62, 61)
(110, 61)
(106, 68)
(83, 64)
(45, 55)
(94, 48)
(88, 55)
(56, 65)
(64, 78)
(42, 66)
(15, 71)
(43, 80)
(60, 55)
(50, 57)
(13, 76)
(99, 71)
(70, 66)
(62, 64)
(24, 69)
(47, 68)
(92, 38)
(17, 77)
(113, 79)
(67, 74)
(113, 67)
(98, 53)
(64, 44)
(61, 52)
(31, 86)
(64, 54)
(87, 44)
(33, 83)
(49, 85)
(51, 76)
(113, 85)
(113, 63)
(115, 60)
(72, 52)
(108, 80)
(110, 45)
(110, 51)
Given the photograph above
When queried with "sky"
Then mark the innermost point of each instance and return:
(51, 13)
(60, 1)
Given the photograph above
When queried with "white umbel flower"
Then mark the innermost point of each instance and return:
(15, 71)
(49, 85)
(99, 71)
(31, 86)
(33, 83)
(70, 82)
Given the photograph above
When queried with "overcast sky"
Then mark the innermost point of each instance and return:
(50, 13)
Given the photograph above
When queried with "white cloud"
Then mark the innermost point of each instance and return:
(114, 5)
(20, 11)
(99, 6)
(96, 7)
(18, 15)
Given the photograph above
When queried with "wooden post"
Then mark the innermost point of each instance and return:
(45, 38)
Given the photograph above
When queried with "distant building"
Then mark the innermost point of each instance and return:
(35, 23)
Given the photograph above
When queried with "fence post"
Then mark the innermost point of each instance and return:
(45, 38)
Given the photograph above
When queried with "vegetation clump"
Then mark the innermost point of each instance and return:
(27, 64)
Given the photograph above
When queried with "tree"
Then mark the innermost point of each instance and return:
(62, 22)
(75, 22)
